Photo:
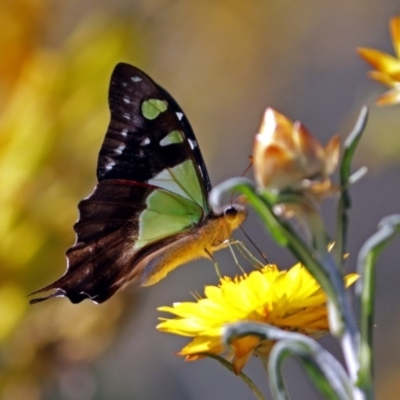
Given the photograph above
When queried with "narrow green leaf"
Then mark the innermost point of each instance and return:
(351, 143)
(365, 290)
(349, 148)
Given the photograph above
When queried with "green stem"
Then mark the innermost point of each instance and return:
(252, 386)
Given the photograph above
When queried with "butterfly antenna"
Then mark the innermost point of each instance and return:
(243, 174)
(255, 246)
(249, 166)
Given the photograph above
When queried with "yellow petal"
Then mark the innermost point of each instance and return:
(243, 349)
(239, 362)
(203, 344)
(350, 279)
(381, 61)
(310, 319)
(395, 33)
(332, 154)
(388, 98)
(383, 78)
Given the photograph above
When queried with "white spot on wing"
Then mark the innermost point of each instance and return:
(126, 100)
(120, 149)
(124, 84)
(145, 142)
(141, 153)
(110, 165)
(124, 132)
(136, 79)
(127, 116)
(192, 143)
(179, 115)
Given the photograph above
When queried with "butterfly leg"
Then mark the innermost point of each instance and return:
(230, 243)
(247, 255)
(217, 270)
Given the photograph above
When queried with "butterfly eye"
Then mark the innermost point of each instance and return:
(230, 213)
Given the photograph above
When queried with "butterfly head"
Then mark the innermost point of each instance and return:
(234, 215)
(228, 219)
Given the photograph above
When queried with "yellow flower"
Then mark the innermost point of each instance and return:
(286, 156)
(291, 300)
(387, 66)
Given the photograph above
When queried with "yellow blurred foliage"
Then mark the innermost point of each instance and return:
(23, 23)
(52, 116)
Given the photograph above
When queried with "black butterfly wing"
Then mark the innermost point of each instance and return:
(149, 151)
(131, 148)
(105, 235)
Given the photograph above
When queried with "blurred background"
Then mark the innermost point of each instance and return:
(224, 62)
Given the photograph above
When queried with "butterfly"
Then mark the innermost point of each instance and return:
(149, 212)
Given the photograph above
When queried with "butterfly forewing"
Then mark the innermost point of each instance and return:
(149, 136)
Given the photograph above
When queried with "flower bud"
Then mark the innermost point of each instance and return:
(287, 156)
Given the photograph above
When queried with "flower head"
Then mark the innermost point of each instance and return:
(387, 66)
(286, 156)
(290, 300)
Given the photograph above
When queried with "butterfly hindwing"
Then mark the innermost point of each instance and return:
(108, 232)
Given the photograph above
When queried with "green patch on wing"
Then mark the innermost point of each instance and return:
(183, 180)
(152, 108)
(172, 138)
(166, 213)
